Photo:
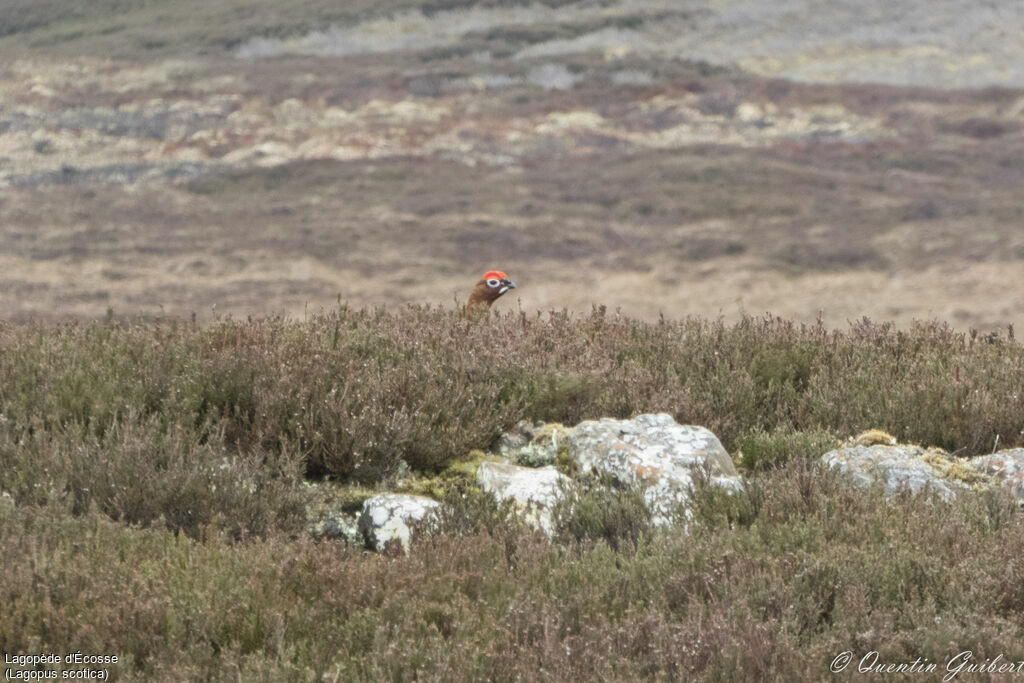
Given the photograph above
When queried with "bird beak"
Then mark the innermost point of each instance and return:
(505, 286)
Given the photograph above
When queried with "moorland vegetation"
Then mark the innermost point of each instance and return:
(157, 478)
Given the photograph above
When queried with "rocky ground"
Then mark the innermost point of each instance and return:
(644, 155)
(536, 467)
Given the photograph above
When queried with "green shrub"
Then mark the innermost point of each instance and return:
(599, 508)
(762, 450)
(715, 506)
(466, 510)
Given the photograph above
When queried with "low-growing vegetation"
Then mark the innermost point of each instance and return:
(154, 500)
(354, 394)
(820, 568)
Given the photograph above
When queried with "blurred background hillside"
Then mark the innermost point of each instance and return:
(711, 157)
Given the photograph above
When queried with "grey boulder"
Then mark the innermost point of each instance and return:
(656, 453)
(898, 467)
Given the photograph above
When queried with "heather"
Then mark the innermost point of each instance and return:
(156, 477)
(353, 393)
(816, 569)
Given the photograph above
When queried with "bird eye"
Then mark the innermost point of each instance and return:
(493, 283)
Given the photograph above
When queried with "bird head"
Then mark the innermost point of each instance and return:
(492, 285)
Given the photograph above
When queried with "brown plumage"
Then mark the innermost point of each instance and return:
(492, 285)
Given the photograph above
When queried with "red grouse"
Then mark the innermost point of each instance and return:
(492, 285)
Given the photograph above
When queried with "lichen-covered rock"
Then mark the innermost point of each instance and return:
(332, 511)
(899, 467)
(655, 452)
(953, 469)
(336, 524)
(387, 517)
(536, 455)
(518, 437)
(535, 490)
(1005, 468)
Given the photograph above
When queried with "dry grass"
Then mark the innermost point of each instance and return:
(274, 186)
(703, 232)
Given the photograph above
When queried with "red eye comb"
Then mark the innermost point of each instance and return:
(495, 275)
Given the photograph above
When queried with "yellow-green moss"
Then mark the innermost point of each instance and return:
(554, 432)
(951, 468)
(565, 464)
(431, 487)
(465, 467)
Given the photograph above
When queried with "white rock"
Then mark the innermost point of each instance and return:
(387, 517)
(535, 490)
